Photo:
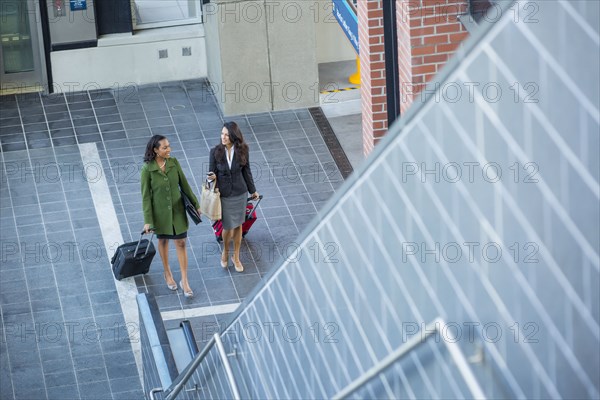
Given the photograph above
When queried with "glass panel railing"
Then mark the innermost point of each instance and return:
(398, 388)
(481, 209)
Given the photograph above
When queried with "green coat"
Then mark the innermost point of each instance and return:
(161, 200)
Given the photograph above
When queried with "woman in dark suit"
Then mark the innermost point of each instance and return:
(230, 165)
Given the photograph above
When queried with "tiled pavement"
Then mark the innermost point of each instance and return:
(64, 334)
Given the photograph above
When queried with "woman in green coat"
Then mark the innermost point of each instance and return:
(162, 204)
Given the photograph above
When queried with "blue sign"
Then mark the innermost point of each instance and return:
(78, 5)
(348, 20)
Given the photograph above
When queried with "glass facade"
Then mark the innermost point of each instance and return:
(480, 207)
(15, 37)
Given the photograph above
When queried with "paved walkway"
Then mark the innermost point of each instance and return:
(70, 194)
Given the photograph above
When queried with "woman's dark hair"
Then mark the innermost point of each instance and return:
(236, 137)
(153, 143)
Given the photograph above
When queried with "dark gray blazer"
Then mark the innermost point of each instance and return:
(234, 181)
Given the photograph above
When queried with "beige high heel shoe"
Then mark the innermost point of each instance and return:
(238, 265)
(224, 264)
(172, 287)
(188, 294)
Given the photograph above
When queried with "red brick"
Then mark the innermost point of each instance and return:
(447, 48)
(378, 108)
(451, 28)
(415, 23)
(427, 3)
(374, 23)
(425, 50)
(435, 20)
(451, 10)
(414, 42)
(379, 133)
(375, 39)
(380, 116)
(436, 58)
(425, 12)
(428, 30)
(436, 39)
(458, 37)
(378, 66)
(373, 6)
(424, 69)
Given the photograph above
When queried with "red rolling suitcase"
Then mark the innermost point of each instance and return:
(133, 258)
(250, 218)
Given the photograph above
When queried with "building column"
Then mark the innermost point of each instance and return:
(372, 72)
(429, 33)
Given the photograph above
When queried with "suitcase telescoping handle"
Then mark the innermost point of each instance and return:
(257, 202)
(140, 241)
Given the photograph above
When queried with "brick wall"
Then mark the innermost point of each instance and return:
(435, 34)
(428, 34)
(372, 75)
(405, 52)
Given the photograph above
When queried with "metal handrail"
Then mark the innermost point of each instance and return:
(188, 334)
(411, 344)
(153, 393)
(228, 371)
(179, 383)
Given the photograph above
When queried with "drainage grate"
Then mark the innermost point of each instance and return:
(332, 142)
(186, 51)
(163, 53)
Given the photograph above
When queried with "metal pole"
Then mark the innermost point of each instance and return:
(225, 360)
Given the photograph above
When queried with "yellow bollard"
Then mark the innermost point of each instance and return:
(355, 77)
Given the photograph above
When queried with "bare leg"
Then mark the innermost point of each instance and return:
(163, 250)
(237, 244)
(226, 239)
(180, 247)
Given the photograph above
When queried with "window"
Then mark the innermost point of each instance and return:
(159, 13)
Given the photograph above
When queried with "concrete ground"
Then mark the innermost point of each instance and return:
(70, 195)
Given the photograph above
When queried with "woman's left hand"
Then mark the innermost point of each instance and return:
(255, 195)
(199, 212)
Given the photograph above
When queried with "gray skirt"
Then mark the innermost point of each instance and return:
(233, 211)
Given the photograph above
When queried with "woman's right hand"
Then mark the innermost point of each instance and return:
(146, 228)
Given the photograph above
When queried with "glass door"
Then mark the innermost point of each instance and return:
(20, 51)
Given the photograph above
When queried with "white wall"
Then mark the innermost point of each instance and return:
(122, 59)
(332, 44)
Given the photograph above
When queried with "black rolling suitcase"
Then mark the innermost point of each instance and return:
(133, 258)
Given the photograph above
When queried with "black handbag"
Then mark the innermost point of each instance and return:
(189, 208)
